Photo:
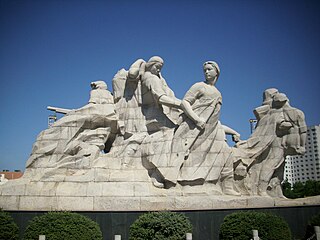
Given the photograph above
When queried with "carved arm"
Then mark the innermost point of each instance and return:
(186, 107)
(230, 131)
(170, 101)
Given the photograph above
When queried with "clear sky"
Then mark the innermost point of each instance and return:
(50, 51)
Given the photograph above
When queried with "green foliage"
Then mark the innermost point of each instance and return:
(8, 228)
(287, 189)
(63, 225)
(314, 221)
(300, 190)
(239, 226)
(160, 226)
(312, 188)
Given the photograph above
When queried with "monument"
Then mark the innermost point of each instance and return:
(142, 149)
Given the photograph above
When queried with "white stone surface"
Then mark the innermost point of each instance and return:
(142, 149)
(120, 201)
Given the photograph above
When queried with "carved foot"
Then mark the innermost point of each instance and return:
(155, 178)
(231, 192)
(229, 187)
(263, 194)
(156, 183)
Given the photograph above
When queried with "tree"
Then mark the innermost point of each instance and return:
(8, 228)
(287, 189)
(159, 226)
(63, 225)
(312, 188)
(300, 190)
(314, 221)
(239, 226)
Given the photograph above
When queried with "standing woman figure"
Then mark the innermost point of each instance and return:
(200, 153)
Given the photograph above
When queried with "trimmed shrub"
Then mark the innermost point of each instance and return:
(63, 225)
(8, 228)
(160, 225)
(239, 226)
(314, 221)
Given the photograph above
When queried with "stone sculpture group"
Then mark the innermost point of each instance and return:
(143, 129)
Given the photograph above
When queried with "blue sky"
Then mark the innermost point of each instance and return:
(50, 51)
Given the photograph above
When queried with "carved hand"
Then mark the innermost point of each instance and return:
(285, 125)
(236, 138)
(301, 150)
(201, 123)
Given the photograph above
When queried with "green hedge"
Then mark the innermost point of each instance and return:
(63, 225)
(8, 228)
(314, 221)
(160, 225)
(239, 226)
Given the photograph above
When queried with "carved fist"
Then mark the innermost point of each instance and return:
(301, 150)
(285, 126)
(236, 138)
(201, 123)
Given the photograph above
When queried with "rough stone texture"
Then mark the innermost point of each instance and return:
(142, 149)
(280, 131)
(42, 202)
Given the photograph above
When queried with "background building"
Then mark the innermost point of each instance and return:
(306, 167)
(12, 175)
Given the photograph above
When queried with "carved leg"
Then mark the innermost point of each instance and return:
(154, 179)
(269, 166)
(228, 186)
(262, 188)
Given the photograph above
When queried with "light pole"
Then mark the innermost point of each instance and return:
(253, 123)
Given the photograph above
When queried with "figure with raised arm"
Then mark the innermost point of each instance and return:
(161, 110)
(281, 131)
(199, 150)
(79, 137)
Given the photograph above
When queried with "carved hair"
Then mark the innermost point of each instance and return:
(280, 97)
(99, 85)
(153, 60)
(215, 65)
(268, 95)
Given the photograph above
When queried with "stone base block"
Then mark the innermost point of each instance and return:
(128, 196)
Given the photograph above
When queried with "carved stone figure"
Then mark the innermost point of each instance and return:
(280, 131)
(80, 136)
(199, 151)
(159, 106)
(148, 111)
(141, 148)
(128, 100)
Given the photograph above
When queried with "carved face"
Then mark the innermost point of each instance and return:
(210, 73)
(156, 68)
(98, 85)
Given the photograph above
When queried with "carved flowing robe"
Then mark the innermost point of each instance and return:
(127, 98)
(200, 154)
(77, 138)
(294, 141)
(260, 140)
(160, 120)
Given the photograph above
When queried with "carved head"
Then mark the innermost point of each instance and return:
(268, 95)
(211, 71)
(154, 65)
(99, 85)
(279, 100)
